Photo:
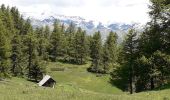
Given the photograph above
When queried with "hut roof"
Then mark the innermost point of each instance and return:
(44, 80)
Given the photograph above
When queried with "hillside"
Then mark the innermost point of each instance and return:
(90, 58)
(74, 83)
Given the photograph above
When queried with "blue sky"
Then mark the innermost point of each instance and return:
(125, 11)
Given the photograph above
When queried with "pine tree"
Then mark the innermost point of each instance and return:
(89, 40)
(8, 22)
(126, 73)
(37, 70)
(18, 21)
(80, 46)
(160, 62)
(18, 46)
(26, 27)
(155, 37)
(96, 54)
(70, 30)
(56, 42)
(47, 32)
(35, 66)
(19, 58)
(43, 42)
(130, 53)
(69, 43)
(65, 43)
(110, 52)
(5, 52)
(84, 48)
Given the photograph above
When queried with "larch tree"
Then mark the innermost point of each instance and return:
(70, 50)
(96, 54)
(56, 42)
(80, 46)
(130, 53)
(35, 68)
(110, 52)
(5, 52)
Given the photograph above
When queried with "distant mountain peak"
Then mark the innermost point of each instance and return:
(91, 26)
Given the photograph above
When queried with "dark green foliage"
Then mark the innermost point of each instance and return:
(5, 52)
(19, 58)
(13, 24)
(154, 69)
(35, 68)
(69, 49)
(104, 57)
(56, 42)
(130, 52)
(26, 27)
(17, 19)
(7, 21)
(47, 32)
(96, 54)
(19, 46)
(154, 42)
(141, 73)
(23, 48)
(81, 47)
(43, 42)
(149, 67)
(110, 52)
(127, 72)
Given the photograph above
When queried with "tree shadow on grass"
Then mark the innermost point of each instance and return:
(121, 84)
(34, 81)
(163, 87)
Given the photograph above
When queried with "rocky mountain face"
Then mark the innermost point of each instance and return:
(89, 25)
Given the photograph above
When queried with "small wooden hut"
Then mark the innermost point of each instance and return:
(47, 81)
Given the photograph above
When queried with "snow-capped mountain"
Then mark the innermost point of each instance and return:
(42, 19)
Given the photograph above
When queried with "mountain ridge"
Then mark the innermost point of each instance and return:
(90, 26)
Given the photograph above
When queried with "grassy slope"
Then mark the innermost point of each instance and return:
(75, 83)
(77, 76)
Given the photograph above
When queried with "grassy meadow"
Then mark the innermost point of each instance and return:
(73, 83)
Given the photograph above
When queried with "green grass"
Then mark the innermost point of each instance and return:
(77, 76)
(74, 83)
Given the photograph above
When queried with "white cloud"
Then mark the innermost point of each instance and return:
(101, 10)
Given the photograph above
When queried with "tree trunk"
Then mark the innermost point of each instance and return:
(81, 60)
(132, 79)
(131, 84)
(152, 83)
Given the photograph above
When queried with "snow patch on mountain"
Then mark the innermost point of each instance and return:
(48, 18)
